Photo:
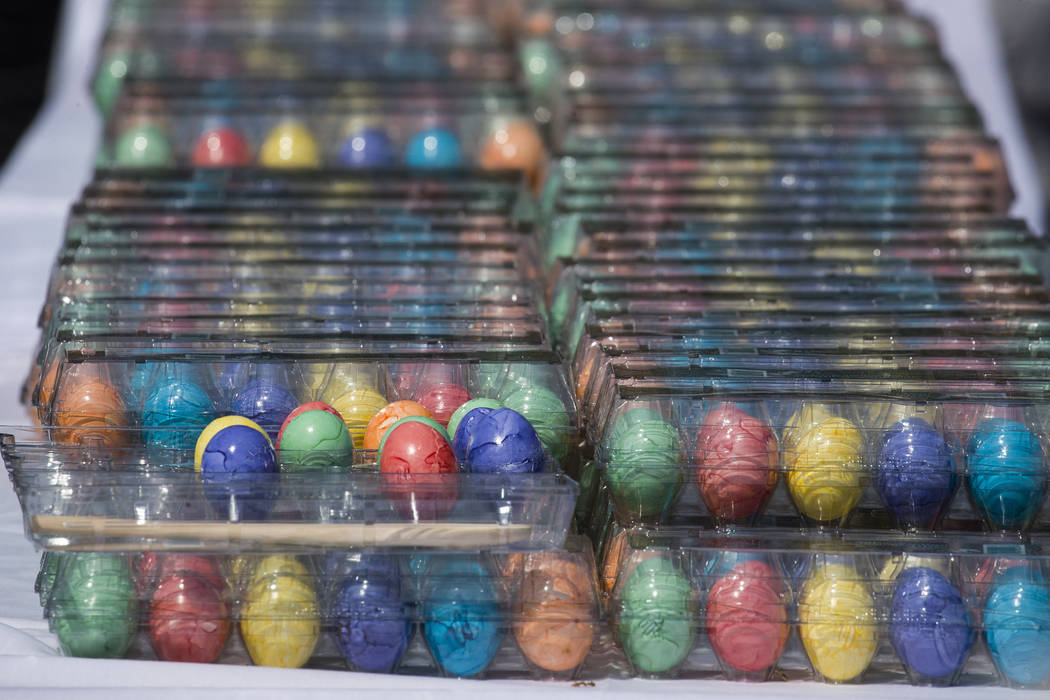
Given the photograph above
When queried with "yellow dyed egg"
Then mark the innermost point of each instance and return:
(836, 614)
(802, 421)
(357, 406)
(289, 145)
(280, 615)
(896, 564)
(825, 465)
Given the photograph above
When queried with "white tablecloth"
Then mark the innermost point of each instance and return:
(41, 179)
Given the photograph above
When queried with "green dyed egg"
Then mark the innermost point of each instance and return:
(143, 146)
(656, 623)
(547, 414)
(94, 611)
(315, 440)
(642, 467)
(464, 409)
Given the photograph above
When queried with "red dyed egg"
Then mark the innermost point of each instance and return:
(419, 468)
(189, 621)
(221, 147)
(747, 617)
(443, 399)
(736, 456)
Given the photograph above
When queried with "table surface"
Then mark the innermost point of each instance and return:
(39, 182)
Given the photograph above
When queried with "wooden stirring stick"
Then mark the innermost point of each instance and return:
(445, 535)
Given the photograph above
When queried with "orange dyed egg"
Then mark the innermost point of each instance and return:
(387, 416)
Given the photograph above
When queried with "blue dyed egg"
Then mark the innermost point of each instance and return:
(175, 403)
(463, 622)
(504, 442)
(1017, 626)
(371, 621)
(366, 148)
(461, 439)
(930, 626)
(915, 475)
(1007, 472)
(434, 148)
(238, 469)
(267, 403)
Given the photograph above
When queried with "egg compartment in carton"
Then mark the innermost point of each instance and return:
(861, 608)
(491, 614)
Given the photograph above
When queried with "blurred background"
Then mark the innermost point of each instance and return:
(28, 31)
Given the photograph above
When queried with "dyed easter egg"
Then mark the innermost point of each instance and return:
(546, 413)
(656, 622)
(280, 615)
(90, 409)
(266, 403)
(222, 147)
(514, 145)
(462, 619)
(436, 147)
(94, 611)
(1007, 473)
(459, 443)
(289, 145)
(836, 613)
(442, 399)
(371, 621)
(641, 459)
(747, 617)
(387, 416)
(369, 147)
(176, 403)
(930, 625)
(556, 606)
(1017, 626)
(736, 456)
(418, 468)
(503, 442)
(143, 146)
(188, 619)
(237, 466)
(824, 460)
(357, 406)
(915, 474)
(315, 440)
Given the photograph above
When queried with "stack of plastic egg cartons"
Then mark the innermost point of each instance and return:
(297, 401)
(806, 343)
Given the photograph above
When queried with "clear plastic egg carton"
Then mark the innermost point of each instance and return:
(452, 185)
(811, 352)
(371, 20)
(936, 77)
(77, 509)
(283, 132)
(492, 614)
(770, 606)
(220, 61)
(180, 390)
(823, 452)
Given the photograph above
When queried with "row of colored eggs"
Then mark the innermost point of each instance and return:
(167, 403)
(747, 613)
(291, 144)
(93, 604)
(736, 461)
